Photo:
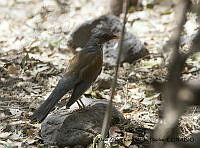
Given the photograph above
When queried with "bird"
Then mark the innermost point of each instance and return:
(82, 71)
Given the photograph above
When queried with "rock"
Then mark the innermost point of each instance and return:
(104, 81)
(81, 34)
(187, 40)
(133, 47)
(70, 127)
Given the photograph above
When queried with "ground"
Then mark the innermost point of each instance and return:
(34, 54)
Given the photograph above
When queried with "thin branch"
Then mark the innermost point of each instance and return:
(108, 114)
(174, 68)
(173, 107)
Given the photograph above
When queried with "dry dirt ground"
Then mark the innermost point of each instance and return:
(33, 55)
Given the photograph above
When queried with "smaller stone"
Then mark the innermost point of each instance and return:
(104, 81)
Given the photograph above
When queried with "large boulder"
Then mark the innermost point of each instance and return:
(133, 47)
(77, 127)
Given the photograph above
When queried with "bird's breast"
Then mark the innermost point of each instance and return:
(91, 71)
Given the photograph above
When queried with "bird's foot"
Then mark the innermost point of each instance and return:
(79, 103)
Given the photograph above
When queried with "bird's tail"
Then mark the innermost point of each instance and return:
(64, 85)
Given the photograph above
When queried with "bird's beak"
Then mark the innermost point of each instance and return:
(116, 37)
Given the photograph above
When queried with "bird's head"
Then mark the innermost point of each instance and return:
(104, 34)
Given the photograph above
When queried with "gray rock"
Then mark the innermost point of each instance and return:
(133, 47)
(72, 127)
(104, 81)
(187, 40)
(81, 34)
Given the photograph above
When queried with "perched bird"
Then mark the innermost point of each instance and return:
(82, 71)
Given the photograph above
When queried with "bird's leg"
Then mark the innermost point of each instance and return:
(77, 92)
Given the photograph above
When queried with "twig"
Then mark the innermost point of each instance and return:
(108, 114)
(173, 107)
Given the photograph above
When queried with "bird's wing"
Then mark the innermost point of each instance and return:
(85, 65)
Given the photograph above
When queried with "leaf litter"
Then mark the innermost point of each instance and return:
(34, 54)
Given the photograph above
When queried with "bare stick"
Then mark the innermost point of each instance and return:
(173, 107)
(108, 114)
